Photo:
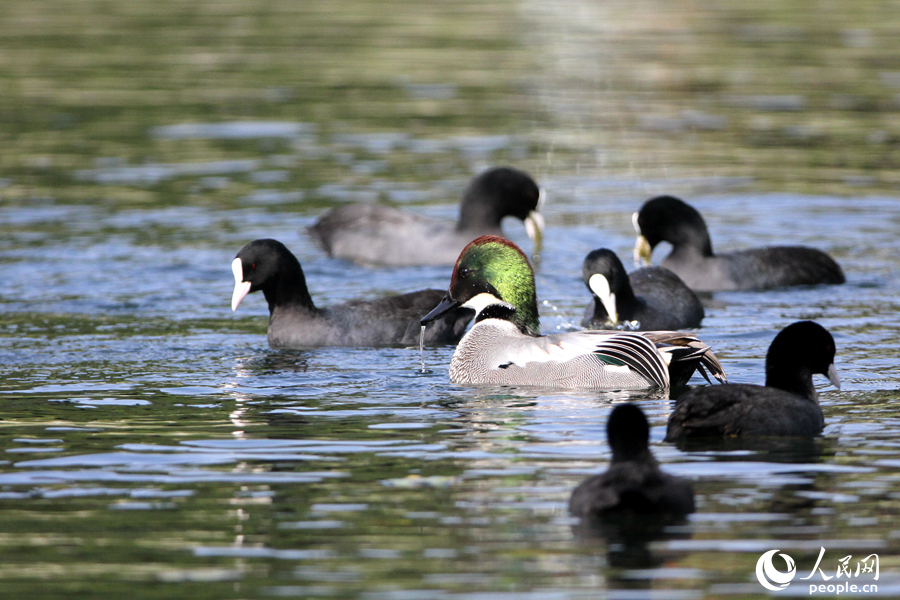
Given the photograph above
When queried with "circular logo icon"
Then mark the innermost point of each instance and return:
(770, 577)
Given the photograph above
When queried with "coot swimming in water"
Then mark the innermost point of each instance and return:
(295, 322)
(668, 219)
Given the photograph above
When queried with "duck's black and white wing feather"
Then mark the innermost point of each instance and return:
(685, 353)
(638, 353)
(613, 351)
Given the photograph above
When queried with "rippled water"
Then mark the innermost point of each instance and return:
(151, 436)
(153, 446)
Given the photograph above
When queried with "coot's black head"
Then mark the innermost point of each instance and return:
(604, 275)
(501, 192)
(604, 262)
(797, 352)
(668, 219)
(262, 260)
(269, 266)
(628, 432)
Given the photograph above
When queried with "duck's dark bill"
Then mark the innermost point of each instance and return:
(446, 305)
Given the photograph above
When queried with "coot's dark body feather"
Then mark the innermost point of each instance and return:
(637, 486)
(391, 321)
(735, 410)
(756, 269)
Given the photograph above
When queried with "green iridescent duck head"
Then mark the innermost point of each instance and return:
(493, 277)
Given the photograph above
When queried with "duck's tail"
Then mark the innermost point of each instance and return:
(684, 354)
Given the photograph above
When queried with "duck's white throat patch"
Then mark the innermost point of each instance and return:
(241, 288)
(483, 300)
(600, 286)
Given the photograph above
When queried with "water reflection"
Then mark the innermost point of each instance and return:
(774, 449)
(627, 540)
(272, 362)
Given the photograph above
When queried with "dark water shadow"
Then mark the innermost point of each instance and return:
(791, 450)
(273, 362)
(628, 539)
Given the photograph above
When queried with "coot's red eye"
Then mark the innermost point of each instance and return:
(253, 266)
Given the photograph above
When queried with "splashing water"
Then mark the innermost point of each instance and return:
(422, 347)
